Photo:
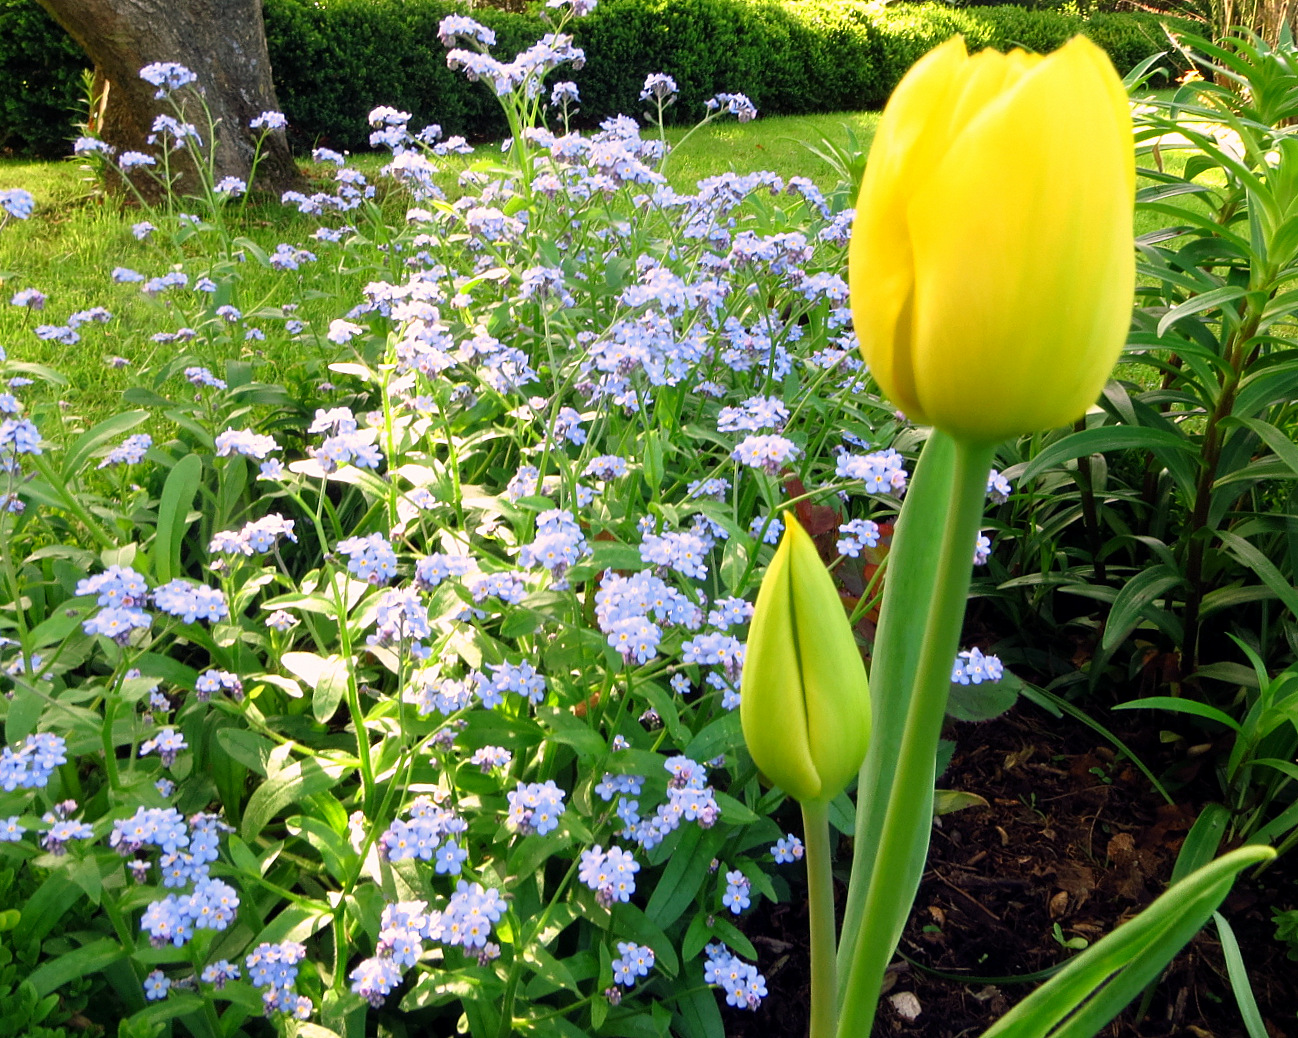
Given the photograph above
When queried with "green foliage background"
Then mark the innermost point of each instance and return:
(335, 59)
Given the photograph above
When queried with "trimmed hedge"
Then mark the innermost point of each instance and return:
(336, 59)
(40, 80)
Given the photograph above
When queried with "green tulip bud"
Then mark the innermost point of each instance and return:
(805, 703)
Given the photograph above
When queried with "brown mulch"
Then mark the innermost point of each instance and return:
(1073, 837)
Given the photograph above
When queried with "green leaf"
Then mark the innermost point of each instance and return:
(248, 748)
(699, 1015)
(549, 968)
(684, 875)
(724, 735)
(1233, 673)
(327, 676)
(530, 853)
(1281, 445)
(615, 555)
(1282, 766)
(45, 908)
(173, 516)
(980, 702)
(1135, 600)
(334, 850)
(310, 1030)
(667, 707)
(572, 731)
(842, 813)
(24, 714)
(244, 860)
(730, 934)
(1248, 1011)
(145, 398)
(734, 564)
(1262, 388)
(948, 801)
(1211, 300)
(1202, 841)
(88, 441)
(733, 811)
(89, 958)
(172, 1007)
(629, 921)
(1263, 567)
(290, 785)
(1103, 439)
(651, 460)
(697, 936)
(1181, 706)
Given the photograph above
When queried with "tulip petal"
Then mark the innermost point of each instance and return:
(1022, 238)
(909, 141)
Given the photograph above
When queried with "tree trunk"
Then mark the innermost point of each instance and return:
(222, 41)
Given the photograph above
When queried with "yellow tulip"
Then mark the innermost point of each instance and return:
(992, 265)
(804, 704)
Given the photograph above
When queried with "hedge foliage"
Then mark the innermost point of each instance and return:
(335, 59)
(40, 80)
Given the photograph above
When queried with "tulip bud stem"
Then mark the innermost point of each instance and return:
(947, 515)
(820, 907)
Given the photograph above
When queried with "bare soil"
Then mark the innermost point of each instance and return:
(1073, 842)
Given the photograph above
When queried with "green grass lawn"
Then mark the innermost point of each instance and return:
(77, 236)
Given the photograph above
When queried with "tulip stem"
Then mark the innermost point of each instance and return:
(820, 906)
(903, 840)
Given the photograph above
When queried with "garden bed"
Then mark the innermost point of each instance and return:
(1073, 835)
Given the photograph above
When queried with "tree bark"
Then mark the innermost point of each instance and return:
(222, 41)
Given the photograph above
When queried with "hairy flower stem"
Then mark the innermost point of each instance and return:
(944, 508)
(820, 903)
(353, 695)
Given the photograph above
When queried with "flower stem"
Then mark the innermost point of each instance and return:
(820, 903)
(903, 839)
